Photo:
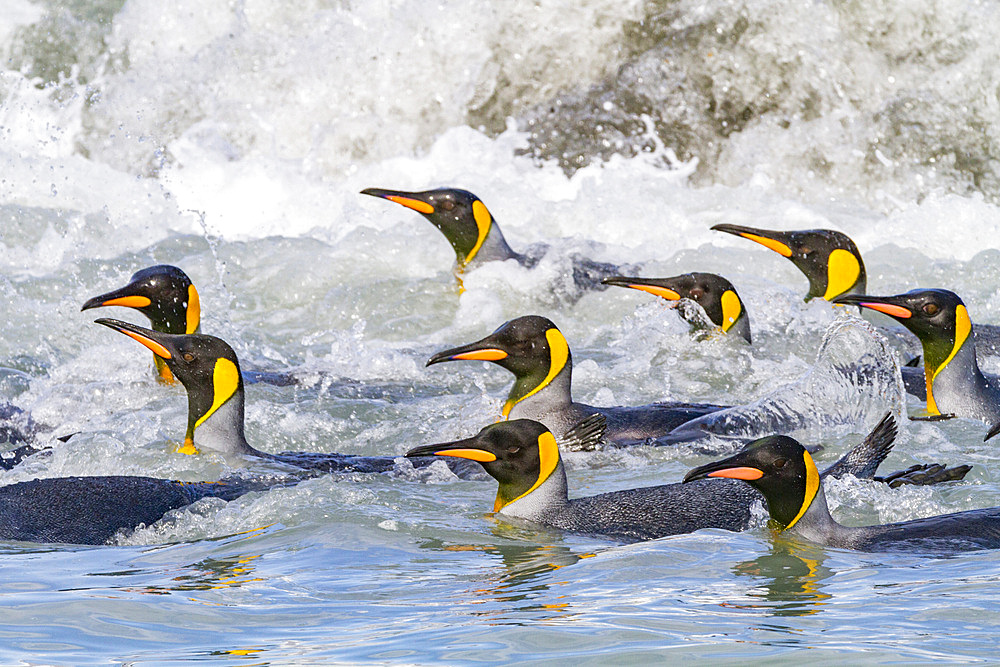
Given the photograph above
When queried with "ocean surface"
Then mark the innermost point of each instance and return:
(232, 137)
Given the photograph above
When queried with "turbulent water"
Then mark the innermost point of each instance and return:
(232, 139)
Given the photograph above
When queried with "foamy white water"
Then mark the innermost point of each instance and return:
(232, 139)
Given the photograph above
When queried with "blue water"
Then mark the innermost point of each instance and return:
(232, 139)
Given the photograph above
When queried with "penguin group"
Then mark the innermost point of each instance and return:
(539, 419)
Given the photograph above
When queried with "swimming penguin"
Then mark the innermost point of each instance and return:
(93, 510)
(828, 258)
(475, 236)
(166, 296)
(784, 472)
(832, 263)
(953, 382)
(536, 352)
(523, 456)
(715, 296)
(210, 372)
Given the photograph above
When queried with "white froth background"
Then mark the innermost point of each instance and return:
(233, 138)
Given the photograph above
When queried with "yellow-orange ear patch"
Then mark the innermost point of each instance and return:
(812, 487)
(842, 271)
(731, 309)
(225, 382)
(558, 356)
(483, 223)
(193, 311)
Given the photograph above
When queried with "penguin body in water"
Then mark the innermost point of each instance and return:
(537, 353)
(171, 303)
(94, 510)
(783, 471)
(209, 370)
(831, 262)
(523, 456)
(475, 236)
(954, 384)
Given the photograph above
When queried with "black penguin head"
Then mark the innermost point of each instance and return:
(207, 367)
(520, 454)
(777, 466)
(460, 215)
(828, 258)
(162, 293)
(938, 317)
(712, 292)
(530, 347)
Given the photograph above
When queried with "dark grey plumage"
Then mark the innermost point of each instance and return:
(630, 515)
(92, 510)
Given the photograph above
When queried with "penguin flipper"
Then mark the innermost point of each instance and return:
(924, 474)
(587, 434)
(863, 460)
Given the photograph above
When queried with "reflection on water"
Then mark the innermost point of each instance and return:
(515, 583)
(209, 573)
(791, 578)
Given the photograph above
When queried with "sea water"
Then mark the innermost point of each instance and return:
(232, 138)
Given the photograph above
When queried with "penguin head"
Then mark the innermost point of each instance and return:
(162, 293)
(520, 454)
(530, 347)
(712, 292)
(937, 317)
(207, 367)
(828, 258)
(777, 466)
(460, 215)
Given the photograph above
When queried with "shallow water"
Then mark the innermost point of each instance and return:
(232, 139)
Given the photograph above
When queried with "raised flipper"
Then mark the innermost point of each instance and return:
(863, 460)
(586, 435)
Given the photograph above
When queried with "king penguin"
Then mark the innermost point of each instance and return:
(954, 385)
(170, 301)
(523, 456)
(784, 472)
(715, 298)
(831, 262)
(93, 510)
(475, 236)
(537, 353)
(210, 372)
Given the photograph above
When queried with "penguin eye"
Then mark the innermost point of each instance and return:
(188, 356)
(697, 293)
(806, 251)
(779, 464)
(513, 450)
(447, 205)
(931, 309)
